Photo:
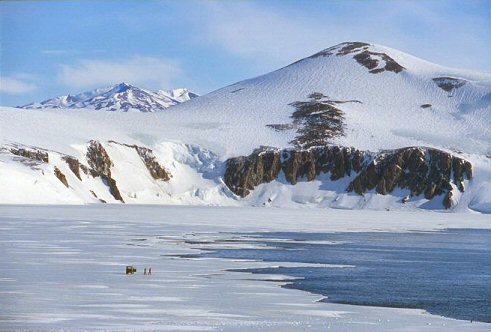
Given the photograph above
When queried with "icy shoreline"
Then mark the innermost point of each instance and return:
(63, 269)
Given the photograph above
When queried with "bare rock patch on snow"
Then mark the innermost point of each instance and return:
(33, 154)
(375, 62)
(75, 166)
(156, 170)
(319, 120)
(378, 62)
(100, 166)
(449, 84)
(95, 163)
(59, 174)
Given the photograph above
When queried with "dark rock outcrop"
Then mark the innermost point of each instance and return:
(100, 166)
(75, 166)
(98, 159)
(281, 126)
(264, 165)
(419, 170)
(317, 120)
(447, 201)
(244, 173)
(375, 62)
(342, 49)
(157, 171)
(33, 154)
(59, 174)
(352, 47)
(449, 83)
(371, 61)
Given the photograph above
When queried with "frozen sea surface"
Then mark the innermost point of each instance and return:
(445, 272)
(62, 268)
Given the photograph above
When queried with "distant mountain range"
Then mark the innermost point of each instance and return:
(121, 97)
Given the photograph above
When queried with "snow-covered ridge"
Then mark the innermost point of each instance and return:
(121, 97)
(353, 95)
(112, 172)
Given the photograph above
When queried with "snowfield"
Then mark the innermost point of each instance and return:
(422, 104)
(63, 269)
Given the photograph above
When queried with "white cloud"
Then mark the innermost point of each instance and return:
(139, 70)
(62, 52)
(278, 35)
(17, 84)
(250, 31)
(56, 52)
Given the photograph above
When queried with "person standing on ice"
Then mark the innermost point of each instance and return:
(149, 271)
(145, 271)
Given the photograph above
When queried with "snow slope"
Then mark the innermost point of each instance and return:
(389, 115)
(400, 101)
(120, 97)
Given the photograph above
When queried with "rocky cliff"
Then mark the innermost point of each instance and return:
(418, 170)
(100, 165)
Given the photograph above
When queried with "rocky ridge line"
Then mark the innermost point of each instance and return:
(99, 163)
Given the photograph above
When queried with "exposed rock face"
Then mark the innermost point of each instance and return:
(61, 176)
(242, 174)
(375, 62)
(419, 170)
(98, 159)
(156, 170)
(372, 60)
(317, 120)
(449, 83)
(75, 166)
(343, 49)
(100, 165)
(352, 47)
(282, 126)
(31, 154)
(447, 201)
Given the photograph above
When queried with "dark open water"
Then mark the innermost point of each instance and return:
(446, 273)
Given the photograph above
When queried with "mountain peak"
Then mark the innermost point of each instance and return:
(344, 48)
(120, 97)
(122, 87)
(375, 58)
(180, 95)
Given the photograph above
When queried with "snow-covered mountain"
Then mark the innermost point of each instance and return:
(120, 97)
(179, 95)
(354, 126)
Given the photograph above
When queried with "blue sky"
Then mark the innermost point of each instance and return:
(51, 48)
